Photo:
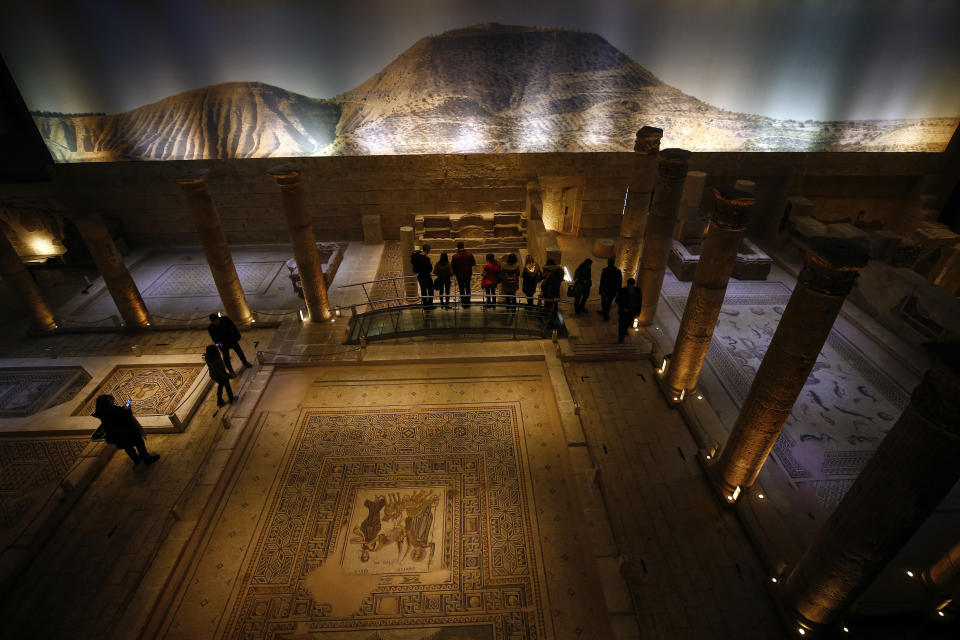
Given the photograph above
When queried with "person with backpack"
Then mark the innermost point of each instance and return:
(462, 264)
(120, 428)
(488, 281)
(510, 281)
(218, 373)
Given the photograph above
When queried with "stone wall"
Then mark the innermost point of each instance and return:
(343, 189)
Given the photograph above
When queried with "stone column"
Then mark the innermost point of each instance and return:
(914, 468)
(709, 287)
(16, 277)
(635, 210)
(832, 265)
(690, 201)
(944, 574)
(658, 235)
(193, 184)
(115, 275)
(303, 240)
(409, 288)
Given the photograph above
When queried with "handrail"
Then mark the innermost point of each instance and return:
(360, 284)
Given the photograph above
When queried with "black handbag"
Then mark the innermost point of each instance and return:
(572, 291)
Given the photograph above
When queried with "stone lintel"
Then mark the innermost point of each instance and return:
(732, 208)
(285, 174)
(648, 140)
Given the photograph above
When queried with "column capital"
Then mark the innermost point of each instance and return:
(648, 140)
(732, 208)
(196, 176)
(672, 163)
(832, 264)
(937, 397)
(286, 175)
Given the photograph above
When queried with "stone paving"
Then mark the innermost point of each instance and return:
(690, 570)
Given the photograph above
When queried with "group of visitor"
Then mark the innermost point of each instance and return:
(510, 278)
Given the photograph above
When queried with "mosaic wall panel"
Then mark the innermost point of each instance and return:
(24, 392)
(153, 390)
(847, 404)
(429, 505)
(183, 280)
(26, 464)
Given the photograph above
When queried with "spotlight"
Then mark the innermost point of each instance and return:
(909, 573)
(760, 496)
(699, 396)
(774, 580)
(676, 399)
(253, 321)
(801, 631)
(303, 318)
(708, 456)
(846, 630)
(941, 614)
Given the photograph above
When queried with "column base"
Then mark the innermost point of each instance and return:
(674, 397)
(727, 495)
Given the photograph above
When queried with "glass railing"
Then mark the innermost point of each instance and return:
(407, 317)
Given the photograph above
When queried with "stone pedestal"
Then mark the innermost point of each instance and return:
(658, 234)
(110, 263)
(912, 471)
(303, 240)
(646, 147)
(193, 184)
(689, 201)
(16, 277)
(709, 287)
(832, 265)
(406, 249)
(372, 229)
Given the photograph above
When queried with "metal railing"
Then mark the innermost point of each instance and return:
(408, 315)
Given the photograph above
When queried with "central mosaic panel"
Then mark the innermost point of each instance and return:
(152, 390)
(182, 280)
(421, 513)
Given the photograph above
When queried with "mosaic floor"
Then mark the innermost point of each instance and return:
(396, 509)
(24, 392)
(181, 280)
(28, 464)
(153, 390)
(846, 407)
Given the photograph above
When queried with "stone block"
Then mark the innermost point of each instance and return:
(882, 243)
(683, 261)
(751, 262)
(372, 229)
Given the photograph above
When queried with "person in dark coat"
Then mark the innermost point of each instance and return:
(582, 281)
(552, 281)
(423, 267)
(611, 280)
(218, 373)
(462, 264)
(443, 272)
(629, 304)
(119, 428)
(226, 336)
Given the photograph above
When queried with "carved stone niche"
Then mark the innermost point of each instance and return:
(33, 227)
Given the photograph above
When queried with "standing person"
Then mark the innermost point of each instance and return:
(529, 277)
(510, 280)
(119, 428)
(629, 304)
(423, 267)
(226, 336)
(582, 281)
(611, 280)
(489, 280)
(218, 373)
(443, 271)
(463, 263)
(552, 281)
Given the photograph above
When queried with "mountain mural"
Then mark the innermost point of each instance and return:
(484, 89)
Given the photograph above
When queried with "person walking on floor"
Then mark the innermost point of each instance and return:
(582, 281)
(529, 277)
(218, 373)
(423, 267)
(120, 428)
(611, 280)
(510, 281)
(489, 280)
(226, 336)
(629, 304)
(462, 264)
(443, 271)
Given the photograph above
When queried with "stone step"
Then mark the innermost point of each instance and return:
(638, 348)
